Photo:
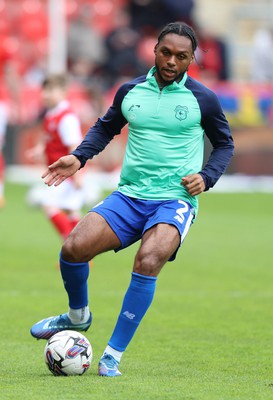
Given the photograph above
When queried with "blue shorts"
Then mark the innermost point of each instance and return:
(130, 218)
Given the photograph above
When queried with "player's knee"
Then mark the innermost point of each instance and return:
(148, 264)
(71, 251)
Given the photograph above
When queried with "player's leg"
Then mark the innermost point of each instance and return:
(91, 236)
(60, 204)
(72, 203)
(74, 217)
(59, 220)
(99, 231)
(159, 244)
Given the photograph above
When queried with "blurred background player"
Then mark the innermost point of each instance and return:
(61, 133)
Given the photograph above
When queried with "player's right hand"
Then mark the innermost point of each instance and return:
(60, 170)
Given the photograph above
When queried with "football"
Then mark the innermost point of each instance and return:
(68, 353)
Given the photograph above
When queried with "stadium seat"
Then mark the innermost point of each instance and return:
(72, 7)
(103, 15)
(33, 21)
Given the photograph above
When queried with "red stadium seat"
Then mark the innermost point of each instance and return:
(5, 27)
(103, 15)
(33, 21)
(71, 9)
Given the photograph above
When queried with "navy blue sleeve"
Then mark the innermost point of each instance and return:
(216, 129)
(103, 131)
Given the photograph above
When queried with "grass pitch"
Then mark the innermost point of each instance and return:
(207, 336)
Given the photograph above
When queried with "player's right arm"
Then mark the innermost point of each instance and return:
(61, 169)
(96, 139)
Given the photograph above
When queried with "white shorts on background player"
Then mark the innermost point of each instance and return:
(64, 196)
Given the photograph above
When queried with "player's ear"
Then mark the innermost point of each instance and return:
(155, 48)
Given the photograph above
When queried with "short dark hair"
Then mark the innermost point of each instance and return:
(55, 80)
(181, 29)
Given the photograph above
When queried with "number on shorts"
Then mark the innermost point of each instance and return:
(181, 211)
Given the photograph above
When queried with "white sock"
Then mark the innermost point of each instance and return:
(115, 353)
(80, 315)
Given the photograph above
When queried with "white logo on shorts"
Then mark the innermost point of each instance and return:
(101, 202)
(181, 211)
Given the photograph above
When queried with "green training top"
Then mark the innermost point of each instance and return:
(165, 137)
(165, 140)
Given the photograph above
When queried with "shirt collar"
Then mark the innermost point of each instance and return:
(174, 86)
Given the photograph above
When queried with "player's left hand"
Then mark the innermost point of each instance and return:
(194, 184)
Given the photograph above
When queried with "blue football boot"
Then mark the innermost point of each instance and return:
(49, 326)
(108, 366)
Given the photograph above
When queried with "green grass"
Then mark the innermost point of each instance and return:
(207, 336)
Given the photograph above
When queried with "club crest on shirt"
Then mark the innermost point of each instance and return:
(181, 112)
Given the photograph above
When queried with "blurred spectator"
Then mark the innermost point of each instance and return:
(10, 75)
(83, 41)
(3, 129)
(86, 57)
(145, 50)
(211, 55)
(179, 10)
(92, 84)
(262, 56)
(37, 71)
(122, 43)
(147, 16)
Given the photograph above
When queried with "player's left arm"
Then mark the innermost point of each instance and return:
(217, 130)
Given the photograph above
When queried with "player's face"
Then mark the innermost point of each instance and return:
(52, 96)
(173, 55)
